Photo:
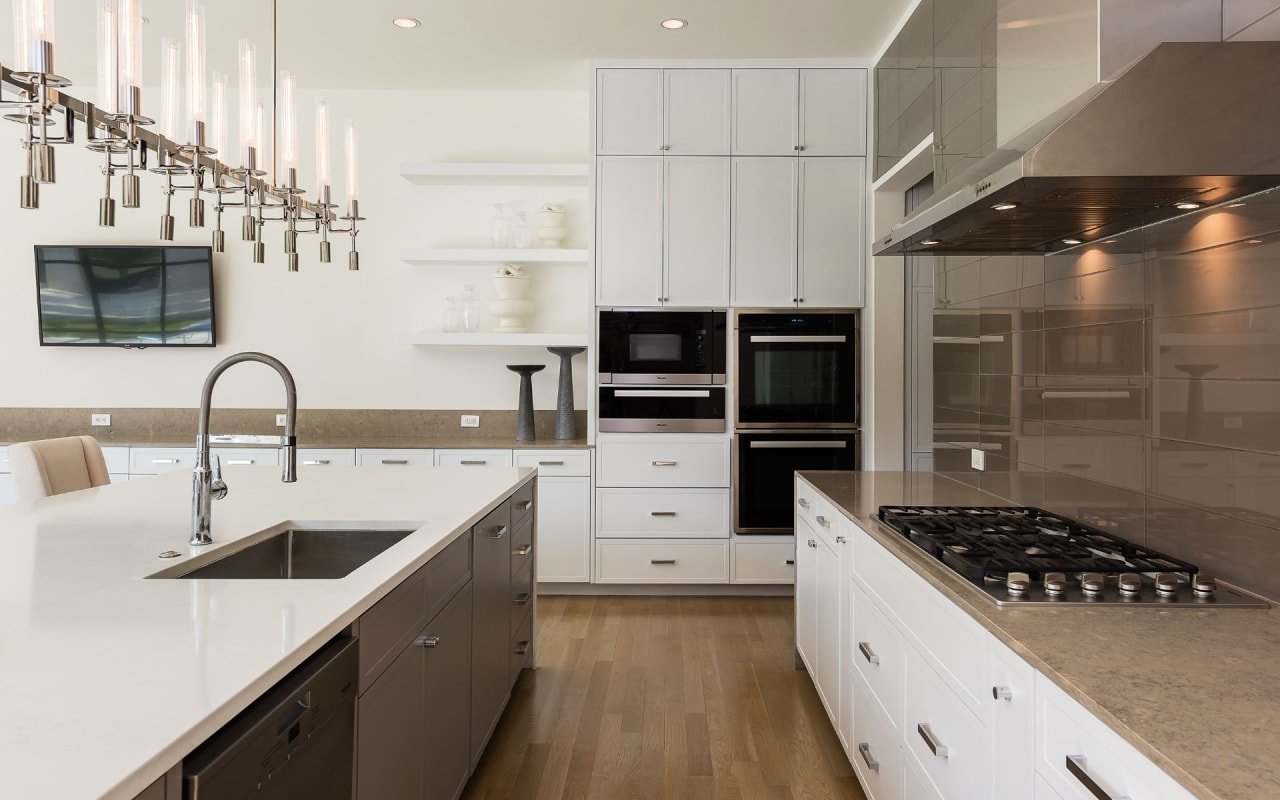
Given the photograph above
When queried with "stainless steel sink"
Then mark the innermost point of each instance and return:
(300, 554)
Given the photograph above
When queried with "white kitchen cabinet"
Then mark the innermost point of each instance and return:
(116, 459)
(396, 458)
(696, 239)
(832, 238)
(833, 112)
(696, 112)
(564, 529)
(876, 756)
(765, 223)
(555, 463)
(945, 740)
(629, 111)
(806, 594)
(766, 105)
(662, 561)
(769, 561)
(827, 672)
(473, 458)
(8, 490)
(666, 513)
(326, 457)
(660, 461)
(1013, 723)
(629, 228)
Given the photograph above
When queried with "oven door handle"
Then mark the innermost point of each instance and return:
(799, 445)
(798, 339)
(662, 393)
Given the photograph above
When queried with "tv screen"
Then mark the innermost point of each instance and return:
(125, 296)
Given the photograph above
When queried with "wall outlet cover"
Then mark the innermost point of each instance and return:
(282, 420)
(978, 459)
(100, 420)
(471, 420)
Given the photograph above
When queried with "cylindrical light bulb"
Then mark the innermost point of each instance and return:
(169, 97)
(323, 179)
(21, 36)
(353, 177)
(129, 15)
(258, 114)
(288, 122)
(40, 17)
(195, 71)
(218, 113)
(248, 65)
(108, 57)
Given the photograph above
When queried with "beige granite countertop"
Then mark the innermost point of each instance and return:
(1198, 692)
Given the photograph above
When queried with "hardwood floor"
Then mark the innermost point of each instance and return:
(671, 697)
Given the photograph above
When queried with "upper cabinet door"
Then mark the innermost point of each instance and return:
(764, 232)
(697, 227)
(698, 112)
(832, 224)
(833, 112)
(766, 106)
(629, 112)
(629, 230)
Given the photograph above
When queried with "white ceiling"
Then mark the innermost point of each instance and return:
(491, 44)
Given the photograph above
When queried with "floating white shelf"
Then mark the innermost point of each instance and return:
(495, 174)
(438, 339)
(529, 255)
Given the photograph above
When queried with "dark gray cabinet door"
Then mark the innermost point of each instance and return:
(448, 684)
(390, 734)
(491, 614)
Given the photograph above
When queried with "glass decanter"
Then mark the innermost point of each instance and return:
(523, 234)
(469, 309)
(498, 227)
(452, 315)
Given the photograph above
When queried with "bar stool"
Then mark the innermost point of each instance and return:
(55, 466)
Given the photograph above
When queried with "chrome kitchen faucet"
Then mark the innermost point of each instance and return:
(207, 484)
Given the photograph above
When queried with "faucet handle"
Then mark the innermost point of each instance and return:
(217, 486)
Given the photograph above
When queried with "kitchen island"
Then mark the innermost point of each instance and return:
(113, 676)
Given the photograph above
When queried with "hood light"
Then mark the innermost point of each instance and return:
(1234, 205)
(405, 22)
(1187, 205)
(674, 24)
(1005, 206)
(930, 242)
(1071, 241)
(1253, 241)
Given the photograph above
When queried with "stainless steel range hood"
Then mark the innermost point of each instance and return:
(1190, 122)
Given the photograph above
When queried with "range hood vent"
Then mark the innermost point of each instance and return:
(1191, 123)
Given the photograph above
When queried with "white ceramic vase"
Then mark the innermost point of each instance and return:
(551, 228)
(511, 309)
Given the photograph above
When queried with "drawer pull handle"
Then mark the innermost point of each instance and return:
(525, 550)
(475, 463)
(663, 562)
(524, 505)
(395, 461)
(864, 750)
(803, 503)
(239, 462)
(319, 462)
(551, 463)
(823, 521)
(429, 642)
(931, 739)
(498, 532)
(662, 513)
(1001, 693)
(791, 562)
(812, 543)
(164, 461)
(522, 648)
(868, 653)
(522, 599)
(1077, 766)
(663, 463)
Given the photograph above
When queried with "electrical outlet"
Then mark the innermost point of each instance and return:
(100, 420)
(471, 420)
(282, 420)
(1233, 423)
(978, 459)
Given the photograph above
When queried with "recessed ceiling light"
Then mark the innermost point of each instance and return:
(929, 242)
(1071, 241)
(1005, 206)
(1187, 205)
(674, 24)
(405, 22)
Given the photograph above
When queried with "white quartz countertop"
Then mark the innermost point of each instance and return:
(110, 678)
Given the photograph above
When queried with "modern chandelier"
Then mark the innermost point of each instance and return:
(191, 153)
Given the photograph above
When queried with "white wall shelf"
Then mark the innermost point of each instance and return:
(494, 174)
(457, 255)
(438, 339)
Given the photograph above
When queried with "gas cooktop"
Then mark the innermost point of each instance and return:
(1023, 556)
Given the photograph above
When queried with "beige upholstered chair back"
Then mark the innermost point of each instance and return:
(55, 466)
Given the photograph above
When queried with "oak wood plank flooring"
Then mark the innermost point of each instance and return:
(664, 698)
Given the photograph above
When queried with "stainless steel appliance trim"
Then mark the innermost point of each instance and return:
(662, 393)
(799, 445)
(1076, 765)
(799, 339)
(792, 427)
(657, 310)
(608, 425)
(662, 378)
(1086, 394)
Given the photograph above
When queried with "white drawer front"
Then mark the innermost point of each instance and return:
(1044, 791)
(556, 463)
(942, 736)
(655, 561)
(473, 458)
(764, 562)
(875, 753)
(664, 462)
(662, 514)
(877, 655)
(1013, 722)
(247, 456)
(8, 491)
(155, 460)
(316, 457)
(396, 458)
(5, 467)
(1067, 734)
(915, 786)
(954, 643)
(117, 459)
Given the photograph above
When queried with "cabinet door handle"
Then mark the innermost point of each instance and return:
(823, 521)
(841, 540)
(1078, 767)
(479, 463)
(522, 599)
(551, 463)
(320, 462)
(430, 641)
(522, 647)
(812, 543)
(525, 550)
(524, 505)
(662, 513)
(802, 503)
(395, 461)
(931, 739)
(864, 750)
(868, 653)
(1001, 693)
(498, 532)
(239, 462)
(663, 463)
(663, 562)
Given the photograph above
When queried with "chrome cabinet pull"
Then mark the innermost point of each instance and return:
(663, 463)
(1078, 767)
(498, 532)
(479, 463)
(429, 641)
(320, 462)
(1001, 693)
(551, 463)
(663, 562)
(239, 462)
(802, 503)
(395, 461)
(662, 513)
(525, 550)
(931, 739)
(522, 599)
(823, 521)
(864, 750)
(868, 653)
(524, 505)
(812, 543)
(841, 540)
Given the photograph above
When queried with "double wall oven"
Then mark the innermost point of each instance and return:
(797, 408)
(662, 371)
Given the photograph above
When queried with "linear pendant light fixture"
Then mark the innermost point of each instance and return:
(188, 142)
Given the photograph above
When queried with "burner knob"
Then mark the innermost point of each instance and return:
(1167, 584)
(1092, 583)
(1018, 583)
(1204, 585)
(1130, 583)
(1055, 584)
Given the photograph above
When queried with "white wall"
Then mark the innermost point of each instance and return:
(337, 330)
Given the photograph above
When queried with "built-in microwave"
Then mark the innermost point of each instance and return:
(638, 346)
(660, 409)
(796, 370)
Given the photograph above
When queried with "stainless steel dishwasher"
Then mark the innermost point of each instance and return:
(296, 741)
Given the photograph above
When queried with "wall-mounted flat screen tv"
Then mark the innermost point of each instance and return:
(125, 296)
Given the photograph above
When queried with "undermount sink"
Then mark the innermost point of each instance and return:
(300, 554)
